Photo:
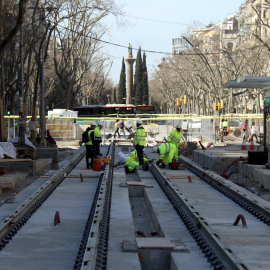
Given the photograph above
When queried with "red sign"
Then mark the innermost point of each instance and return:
(232, 110)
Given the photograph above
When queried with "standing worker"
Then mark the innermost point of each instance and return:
(116, 128)
(90, 145)
(132, 161)
(165, 153)
(122, 128)
(225, 127)
(139, 141)
(98, 139)
(175, 138)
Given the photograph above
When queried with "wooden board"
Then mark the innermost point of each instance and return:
(15, 160)
(133, 183)
(181, 177)
(154, 243)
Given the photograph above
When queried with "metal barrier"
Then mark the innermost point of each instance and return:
(157, 127)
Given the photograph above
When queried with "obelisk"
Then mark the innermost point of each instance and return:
(129, 91)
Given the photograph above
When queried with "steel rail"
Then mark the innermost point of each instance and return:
(236, 194)
(95, 254)
(17, 218)
(89, 223)
(215, 249)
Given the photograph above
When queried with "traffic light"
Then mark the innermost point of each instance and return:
(218, 106)
(181, 101)
(8, 110)
(185, 99)
(178, 101)
(222, 103)
(9, 95)
(215, 106)
(160, 107)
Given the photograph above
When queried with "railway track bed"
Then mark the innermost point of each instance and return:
(159, 219)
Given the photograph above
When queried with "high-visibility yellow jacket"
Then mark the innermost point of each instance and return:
(175, 137)
(134, 157)
(225, 124)
(139, 138)
(164, 149)
(90, 137)
(97, 134)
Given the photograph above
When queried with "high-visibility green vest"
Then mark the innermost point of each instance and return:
(90, 140)
(97, 133)
(175, 137)
(225, 124)
(139, 138)
(164, 149)
(134, 157)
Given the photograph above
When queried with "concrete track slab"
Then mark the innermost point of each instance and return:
(251, 245)
(39, 244)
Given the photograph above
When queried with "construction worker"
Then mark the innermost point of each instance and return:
(132, 161)
(98, 139)
(165, 153)
(90, 145)
(174, 138)
(225, 127)
(139, 141)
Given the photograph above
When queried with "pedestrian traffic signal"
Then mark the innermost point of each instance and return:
(8, 110)
(185, 99)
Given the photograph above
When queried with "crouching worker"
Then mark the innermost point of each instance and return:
(132, 161)
(165, 154)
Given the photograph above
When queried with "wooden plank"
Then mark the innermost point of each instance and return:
(15, 160)
(154, 243)
(181, 177)
(134, 183)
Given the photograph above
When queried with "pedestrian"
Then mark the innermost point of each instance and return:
(98, 139)
(253, 130)
(139, 141)
(132, 161)
(165, 153)
(90, 146)
(245, 128)
(116, 128)
(122, 128)
(175, 138)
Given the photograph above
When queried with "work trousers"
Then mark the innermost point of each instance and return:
(169, 156)
(97, 148)
(176, 152)
(90, 153)
(139, 149)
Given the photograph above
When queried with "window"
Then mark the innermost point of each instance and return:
(264, 14)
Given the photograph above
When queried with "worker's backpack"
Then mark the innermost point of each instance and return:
(85, 137)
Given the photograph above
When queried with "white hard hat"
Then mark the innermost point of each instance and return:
(178, 126)
(100, 123)
(155, 149)
(139, 121)
(93, 123)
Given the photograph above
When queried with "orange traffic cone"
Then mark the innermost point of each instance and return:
(252, 147)
(249, 138)
(244, 147)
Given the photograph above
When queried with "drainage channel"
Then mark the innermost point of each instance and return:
(15, 220)
(216, 251)
(258, 210)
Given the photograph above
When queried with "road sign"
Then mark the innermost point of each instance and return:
(232, 110)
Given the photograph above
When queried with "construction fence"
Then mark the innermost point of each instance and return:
(157, 128)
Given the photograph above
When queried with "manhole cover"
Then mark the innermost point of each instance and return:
(237, 133)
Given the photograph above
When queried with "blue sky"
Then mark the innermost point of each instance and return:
(157, 36)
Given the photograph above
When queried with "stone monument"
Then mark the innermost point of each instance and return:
(129, 91)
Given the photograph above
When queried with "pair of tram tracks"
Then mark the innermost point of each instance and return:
(16, 219)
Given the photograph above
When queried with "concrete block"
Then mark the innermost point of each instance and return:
(129, 246)
(19, 176)
(4, 181)
(48, 152)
